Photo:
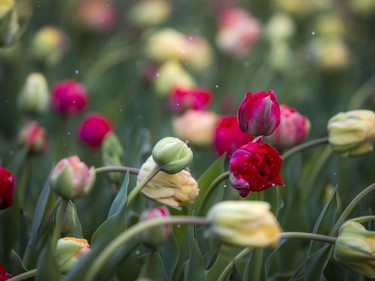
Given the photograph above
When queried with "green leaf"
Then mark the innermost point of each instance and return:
(171, 254)
(47, 265)
(194, 268)
(317, 262)
(153, 267)
(120, 200)
(16, 263)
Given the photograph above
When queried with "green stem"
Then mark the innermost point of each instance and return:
(304, 146)
(224, 274)
(211, 189)
(362, 94)
(141, 184)
(258, 264)
(59, 222)
(132, 232)
(109, 169)
(24, 276)
(22, 185)
(308, 236)
(363, 194)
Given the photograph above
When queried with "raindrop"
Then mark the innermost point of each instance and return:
(137, 252)
(190, 38)
(69, 133)
(183, 52)
(216, 86)
(11, 152)
(225, 185)
(313, 33)
(76, 71)
(178, 226)
(121, 110)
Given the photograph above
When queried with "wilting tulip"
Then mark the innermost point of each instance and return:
(34, 96)
(93, 129)
(156, 236)
(228, 136)
(173, 190)
(3, 274)
(172, 155)
(181, 99)
(352, 132)
(244, 224)
(68, 97)
(292, 130)
(69, 250)
(259, 113)
(355, 248)
(196, 126)
(33, 137)
(149, 12)
(71, 178)
(6, 189)
(255, 167)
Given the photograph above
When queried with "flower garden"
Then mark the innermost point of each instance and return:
(187, 140)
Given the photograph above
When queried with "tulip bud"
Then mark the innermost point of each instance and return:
(244, 224)
(33, 138)
(112, 155)
(6, 188)
(69, 250)
(156, 236)
(280, 27)
(71, 178)
(355, 248)
(292, 130)
(149, 12)
(8, 22)
(173, 190)
(259, 113)
(69, 223)
(196, 126)
(352, 132)
(34, 96)
(172, 155)
(93, 129)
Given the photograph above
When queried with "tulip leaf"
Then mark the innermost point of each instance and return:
(194, 268)
(172, 255)
(9, 229)
(317, 262)
(47, 265)
(153, 267)
(120, 200)
(16, 263)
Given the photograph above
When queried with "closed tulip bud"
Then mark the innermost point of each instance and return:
(355, 248)
(244, 224)
(352, 132)
(173, 190)
(8, 22)
(196, 126)
(259, 113)
(172, 155)
(34, 96)
(156, 236)
(33, 137)
(292, 130)
(112, 155)
(69, 250)
(149, 12)
(6, 188)
(181, 99)
(71, 178)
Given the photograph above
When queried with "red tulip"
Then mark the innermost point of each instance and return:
(68, 97)
(6, 193)
(182, 99)
(93, 129)
(259, 113)
(33, 137)
(255, 167)
(229, 137)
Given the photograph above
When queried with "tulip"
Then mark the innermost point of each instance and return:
(172, 155)
(149, 12)
(355, 248)
(244, 224)
(3, 274)
(9, 23)
(156, 236)
(259, 113)
(228, 136)
(6, 188)
(93, 129)
(33, 137)
(71, 178)
(292, 130)
(34, 96)
(69, 250)
(255, 167)
(181, 99)
(280, 27)
(68, 97)
(352, 132)
(196, 126)
(173, 190)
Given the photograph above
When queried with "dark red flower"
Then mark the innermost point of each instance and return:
(183, 99)
(6, 190)
(259, 113)
(3, 274)
(68, 97)
(228, 136)
(93, 129)
(255, 167)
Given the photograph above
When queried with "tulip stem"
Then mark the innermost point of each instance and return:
(109, 169)
(351, 206)
(24, 276)
(224, 274)
(141, 184)
(304, 146)
(59, 222)
(135, 231)
(309, 236)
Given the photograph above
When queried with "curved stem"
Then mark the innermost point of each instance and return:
(211, 188)
(109, 169)
(236, 259)
(351, 207)
(309, 236)
(141, 184)
(24, 276)
(132, 232)
(304, 146)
